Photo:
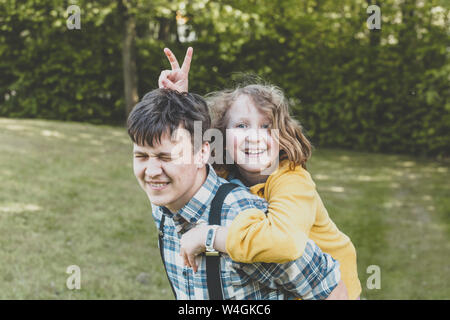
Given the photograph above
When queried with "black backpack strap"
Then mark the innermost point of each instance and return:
(213, 278)
(161, 249)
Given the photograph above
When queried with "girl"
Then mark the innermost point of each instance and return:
(270, 153)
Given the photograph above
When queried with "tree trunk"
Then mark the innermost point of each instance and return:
(164, 29)
(129, 61)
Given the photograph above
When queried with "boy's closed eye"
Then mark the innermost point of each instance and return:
(140, 155)
(143, 156)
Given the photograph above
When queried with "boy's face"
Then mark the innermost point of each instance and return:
(249, 139)
(169, 172)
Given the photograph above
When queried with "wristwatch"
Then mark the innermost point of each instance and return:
(209, 243)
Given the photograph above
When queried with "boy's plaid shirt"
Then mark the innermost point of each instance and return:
(312, 276)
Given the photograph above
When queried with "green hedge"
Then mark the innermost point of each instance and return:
(384, 91)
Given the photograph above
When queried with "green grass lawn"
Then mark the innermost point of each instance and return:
(69, 197)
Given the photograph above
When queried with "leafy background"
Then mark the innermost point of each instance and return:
(374, 103)
(382, 90)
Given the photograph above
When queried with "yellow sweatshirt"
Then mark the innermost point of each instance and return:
(295, 214)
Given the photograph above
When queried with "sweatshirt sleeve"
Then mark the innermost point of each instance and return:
(280, 235)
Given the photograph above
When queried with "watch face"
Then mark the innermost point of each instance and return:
(209, 237)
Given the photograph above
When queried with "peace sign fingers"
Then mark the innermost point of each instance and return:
(174, 62)
(172, 59)
(177, 78)
(187, 60)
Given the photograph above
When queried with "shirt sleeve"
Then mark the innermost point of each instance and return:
(311, 277)
(280, 235)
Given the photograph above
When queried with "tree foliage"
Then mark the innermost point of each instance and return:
(378, 90)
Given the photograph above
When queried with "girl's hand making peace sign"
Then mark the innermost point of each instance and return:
(177, 78)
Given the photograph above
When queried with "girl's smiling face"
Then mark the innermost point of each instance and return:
(250, 141)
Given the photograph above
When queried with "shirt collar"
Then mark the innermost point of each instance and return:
(192, 211)
(258, 188)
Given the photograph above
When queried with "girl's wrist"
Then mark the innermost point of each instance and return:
(204, 234)
(221, 239)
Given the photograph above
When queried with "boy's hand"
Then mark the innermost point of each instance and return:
(177, 78)
(339, 293)
(192, 244)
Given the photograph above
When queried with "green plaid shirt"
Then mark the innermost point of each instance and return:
(312, 276)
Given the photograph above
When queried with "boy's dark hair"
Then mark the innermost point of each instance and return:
(162, 111)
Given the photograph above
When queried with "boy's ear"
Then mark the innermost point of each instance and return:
(204, 155)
